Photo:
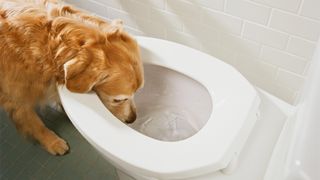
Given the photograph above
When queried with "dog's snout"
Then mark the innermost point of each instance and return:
(129, 121)
(131, 118)
(132, 115)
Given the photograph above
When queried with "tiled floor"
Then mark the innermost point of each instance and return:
(23, 159)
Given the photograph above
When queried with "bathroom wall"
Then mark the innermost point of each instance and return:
(270, 42)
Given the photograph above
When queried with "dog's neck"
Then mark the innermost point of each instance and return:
(60, 56)
(61, 53)
(66, 40)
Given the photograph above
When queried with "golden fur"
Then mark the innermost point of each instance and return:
(40, 48)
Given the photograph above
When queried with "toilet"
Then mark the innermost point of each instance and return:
(227, 109)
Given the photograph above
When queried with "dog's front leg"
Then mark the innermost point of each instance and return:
(29, 124)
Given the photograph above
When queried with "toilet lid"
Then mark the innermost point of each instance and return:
(234, 100)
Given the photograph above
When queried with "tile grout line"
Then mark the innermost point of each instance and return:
(270, 16)
(300, 7)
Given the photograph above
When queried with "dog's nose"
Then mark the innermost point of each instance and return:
(131, 118)
(129, 121)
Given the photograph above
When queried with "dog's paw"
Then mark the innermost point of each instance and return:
(58, 147)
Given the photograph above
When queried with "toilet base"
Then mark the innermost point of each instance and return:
(233, 164)
(229, 169)
(124, 176)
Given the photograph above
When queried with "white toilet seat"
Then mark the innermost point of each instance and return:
(235, 103)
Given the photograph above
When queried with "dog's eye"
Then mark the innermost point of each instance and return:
(120, 100)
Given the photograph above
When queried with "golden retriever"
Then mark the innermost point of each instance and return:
(42, 46)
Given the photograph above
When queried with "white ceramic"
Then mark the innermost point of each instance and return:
(170, 106)
(296, 156)
(234, 106)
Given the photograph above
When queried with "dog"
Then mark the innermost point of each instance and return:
(42, 47)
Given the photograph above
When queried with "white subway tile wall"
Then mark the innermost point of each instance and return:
(288, 5)
(301, 47)
(266, 36)
(283, 60)
(271, 42)
(248, 10)
(295, 25)
(310, 8)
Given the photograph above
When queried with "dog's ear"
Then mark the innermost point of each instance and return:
(79, 77)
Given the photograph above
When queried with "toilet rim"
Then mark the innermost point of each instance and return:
(210, 148)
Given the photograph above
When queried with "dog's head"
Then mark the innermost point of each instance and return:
(109, 64)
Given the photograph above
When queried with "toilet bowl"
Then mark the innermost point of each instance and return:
(230, 111)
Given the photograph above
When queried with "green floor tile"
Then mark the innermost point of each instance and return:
(4, 149)
(41, 156)
(31, 168)
(23, 160)
(41, 174)
(3, 125)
